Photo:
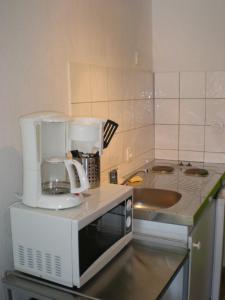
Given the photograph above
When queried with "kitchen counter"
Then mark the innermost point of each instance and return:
(139, 271)
(142, 270)
(196, 192)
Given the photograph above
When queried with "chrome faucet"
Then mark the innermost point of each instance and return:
(145, 171)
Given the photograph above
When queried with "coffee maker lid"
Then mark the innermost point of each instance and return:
(45, 117)
(88, 121)
(56, 119)
(87, 135)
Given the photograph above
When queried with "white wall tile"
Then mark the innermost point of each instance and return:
(166, 137)
(214, 139)
(166, 154)
(129, 141)
(192, 111)
(140, 84)
(116, 111)
(116, 150)
(215, 157)
(80, 90)
(115, 83)
(81, 110)
(192, 85)
(144, 139)
(128, 115)
(98, 83)
(104, 176)
(215, 111)
(167, 85)
(105, 161)
(143, 112)
(126, 168)
(100, 110)
(191, 155)
(149, 87)
(150, 137)
(166, 111)
(143, 84)
(191, 138)
(128, 84)
(215, 87)
(140, 144)
(146, 157)
(149, 104)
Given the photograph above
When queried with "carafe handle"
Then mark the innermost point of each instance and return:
(84, 183)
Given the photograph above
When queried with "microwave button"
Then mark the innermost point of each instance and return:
(129, 204)
(128, 222)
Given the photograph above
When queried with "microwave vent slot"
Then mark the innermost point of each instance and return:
(21, 255)
(58, 266)
(46, 263)
(30, 258)
(39, 260)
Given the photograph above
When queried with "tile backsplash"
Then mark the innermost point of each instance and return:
(185, 121)
(190, 116)
(124, 95)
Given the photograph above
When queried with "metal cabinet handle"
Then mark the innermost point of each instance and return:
(196, 245)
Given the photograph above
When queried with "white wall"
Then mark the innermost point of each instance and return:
(33, 76)
(188, 35)
(38, 40)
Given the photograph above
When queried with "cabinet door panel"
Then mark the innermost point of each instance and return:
(201, 255)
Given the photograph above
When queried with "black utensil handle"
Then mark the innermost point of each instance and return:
(109, 130)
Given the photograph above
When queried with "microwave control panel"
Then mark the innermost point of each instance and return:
(129, 214)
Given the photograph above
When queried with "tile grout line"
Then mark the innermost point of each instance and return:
(204, 140)
(188, 150)
(153, 74)
(183, 124)
(179, 119)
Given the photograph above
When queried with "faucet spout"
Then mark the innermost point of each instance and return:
(145, 171)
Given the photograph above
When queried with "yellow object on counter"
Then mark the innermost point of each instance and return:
(136, 179)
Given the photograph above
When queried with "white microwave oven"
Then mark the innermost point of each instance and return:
(70, 246)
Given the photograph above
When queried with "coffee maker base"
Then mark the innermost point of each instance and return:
(58, 202)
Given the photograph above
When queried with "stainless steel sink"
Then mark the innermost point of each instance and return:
(147, 198)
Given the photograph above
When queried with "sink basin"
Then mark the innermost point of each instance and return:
(145, 198)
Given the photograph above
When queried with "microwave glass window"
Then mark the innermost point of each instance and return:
(100, 235)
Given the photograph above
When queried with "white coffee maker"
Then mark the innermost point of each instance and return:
(48, 172)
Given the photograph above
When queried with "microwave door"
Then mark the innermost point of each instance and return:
(98, 236)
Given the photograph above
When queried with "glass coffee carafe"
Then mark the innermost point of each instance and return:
(54, 177)
(58, 176)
